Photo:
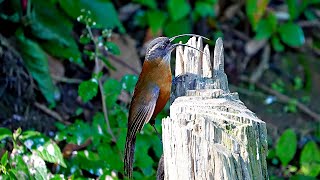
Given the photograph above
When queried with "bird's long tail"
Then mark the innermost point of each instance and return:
(129, 155)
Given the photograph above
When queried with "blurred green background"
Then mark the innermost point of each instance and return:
(68, 69)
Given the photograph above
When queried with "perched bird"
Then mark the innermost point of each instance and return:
(151, 93)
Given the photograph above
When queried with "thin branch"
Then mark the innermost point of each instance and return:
(123, 63)
(285, 99)
(97, 69)
(105, 112)
(263, 65)
(66, 80)
(50, 112)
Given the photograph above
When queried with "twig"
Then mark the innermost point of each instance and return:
(97, 69)
(263, 65)
(306, 24)
(50, 112)
(123, 63)
(105, 112)
(66, 80)
(285, 99)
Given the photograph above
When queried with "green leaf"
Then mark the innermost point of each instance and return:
(255, 9)
(302, 177)
(16, 133)
(286, 146)
(276, 44)
(149, 3)
(178, 9)
(49, 23)
(90, 161)
(129, 82)
(51, 152)
(291, 34)
(21, 167)
(36, 62)
(293, 8)
(102, 12)
(33, 139)
(266, 27)
(112, 89)
(4, 133)
(111, 156)
(70, 52)
(88, 89)
(4, 159)
(107, 62)
(173, 28)
(156, 20)
(204, 9)
(310, 159)
(113, 48)
(99, 129)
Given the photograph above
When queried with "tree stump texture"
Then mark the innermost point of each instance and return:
(210, 133)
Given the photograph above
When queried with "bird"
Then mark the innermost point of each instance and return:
(151, 93)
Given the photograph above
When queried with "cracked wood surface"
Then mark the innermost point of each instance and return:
(210, 133)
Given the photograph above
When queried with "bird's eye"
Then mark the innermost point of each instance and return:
(163, 46)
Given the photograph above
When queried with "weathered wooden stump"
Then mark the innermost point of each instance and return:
(210, 133)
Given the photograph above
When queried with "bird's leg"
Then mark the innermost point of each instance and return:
(152, 123)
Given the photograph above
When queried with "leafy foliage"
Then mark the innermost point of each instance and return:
(88, 89)
(291, 34)
(286, 146)
(36, 61)
(286, 150)
(27, 160)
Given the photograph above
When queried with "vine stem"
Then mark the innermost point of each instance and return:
(97, 70)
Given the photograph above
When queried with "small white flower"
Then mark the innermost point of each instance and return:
(40, 148)
(28, 143)
(50, 149)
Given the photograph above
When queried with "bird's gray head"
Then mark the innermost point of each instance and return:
(160, 47)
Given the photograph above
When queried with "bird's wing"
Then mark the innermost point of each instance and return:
(141, 111)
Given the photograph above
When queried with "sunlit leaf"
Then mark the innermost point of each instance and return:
(51, 152)
(88, 89)
(286, 146)
(310, 159)
(4, 133)
(21, 167)
(4, 159)
(178, 9)
(291, 34)
(113, 48)
(129, 82)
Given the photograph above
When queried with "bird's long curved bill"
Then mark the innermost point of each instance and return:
(173, 46)
(181, 35)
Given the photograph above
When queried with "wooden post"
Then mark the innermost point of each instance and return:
(210, 133)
